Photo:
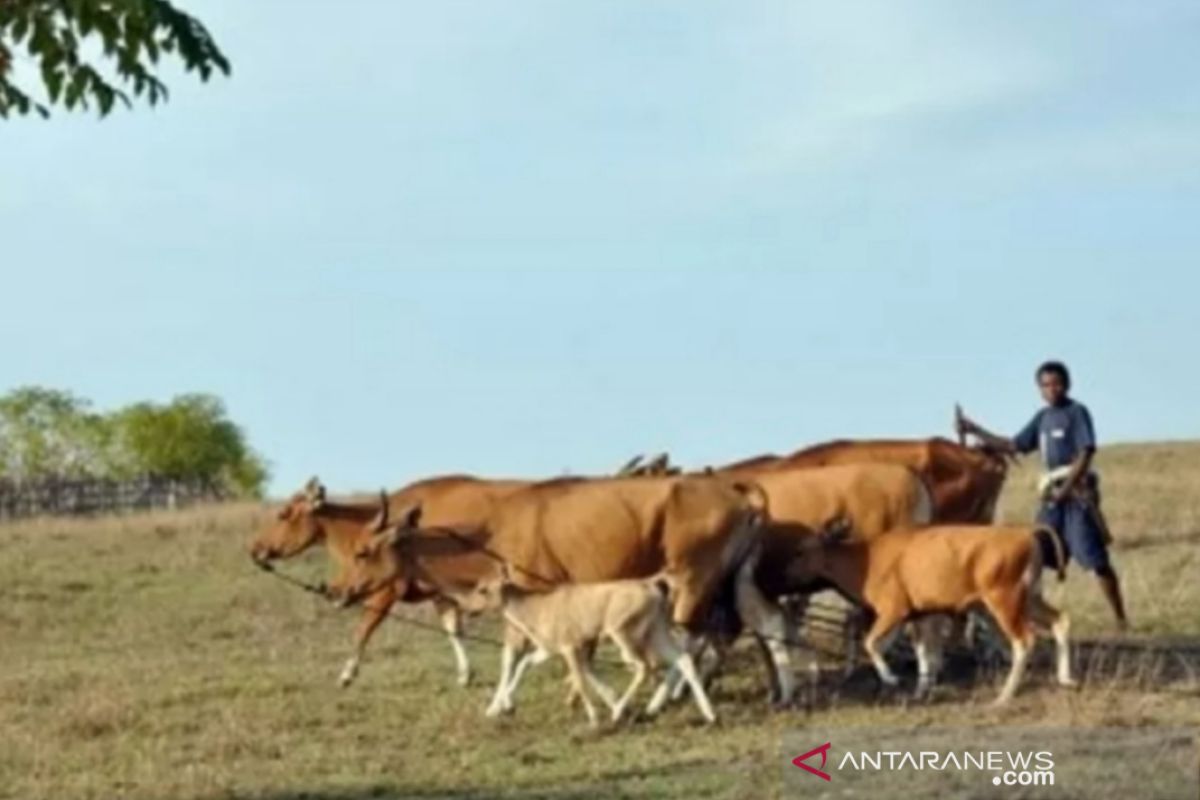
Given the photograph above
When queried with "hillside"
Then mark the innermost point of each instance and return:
(145, 657)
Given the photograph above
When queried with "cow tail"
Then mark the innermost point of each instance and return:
(922, 509)
(757, 497)
(663, 583)
(1060, 555)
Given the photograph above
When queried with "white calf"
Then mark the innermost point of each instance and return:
(570, 619)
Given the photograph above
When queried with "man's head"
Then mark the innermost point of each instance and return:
(1054, 381)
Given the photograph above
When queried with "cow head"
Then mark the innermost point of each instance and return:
(294, 528)
(490, 593)
(988, 470)
(814, 549)
(379, 561)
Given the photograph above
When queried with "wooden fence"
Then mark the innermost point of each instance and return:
(71, 496)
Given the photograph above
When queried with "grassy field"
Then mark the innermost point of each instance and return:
(145, 657)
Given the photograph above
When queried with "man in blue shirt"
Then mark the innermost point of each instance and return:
(1063, 432)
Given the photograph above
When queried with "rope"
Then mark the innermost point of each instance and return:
(313, 588)
(322, 590)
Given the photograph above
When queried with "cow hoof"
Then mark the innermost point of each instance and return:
(498, 711)
(1068, 683)
(464, 680)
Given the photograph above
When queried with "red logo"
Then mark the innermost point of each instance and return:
(824, 751)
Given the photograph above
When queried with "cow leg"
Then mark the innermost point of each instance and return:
(794, 609)
(451, 618)
(698, 646)
(878, 639)
(514, 644)
(768, 622)
(1009, 609)
(575, 673)
(631, 655)
(375, 611)
(598, 686)
(673, 686)
(858, 620)
(669, 652)
(531, 658)
(927, 641)
(1059, 625)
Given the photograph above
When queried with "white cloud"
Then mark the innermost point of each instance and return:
(860, 80)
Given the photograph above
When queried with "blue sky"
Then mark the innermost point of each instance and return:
(517, 238)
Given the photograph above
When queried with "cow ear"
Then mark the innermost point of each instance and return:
(381, 520)
(314, 492)
(660, 463)
(412, 517)
(630, 466)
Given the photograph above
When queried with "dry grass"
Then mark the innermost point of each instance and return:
(144, 657)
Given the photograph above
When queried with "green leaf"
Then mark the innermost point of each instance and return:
(53, 79)
(19, 29)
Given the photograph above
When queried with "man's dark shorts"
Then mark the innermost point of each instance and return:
(1082, 536)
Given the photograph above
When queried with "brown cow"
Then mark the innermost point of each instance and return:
(946, 568)
(965, 481)
(875, 497)
(308, 519)
(698, 529)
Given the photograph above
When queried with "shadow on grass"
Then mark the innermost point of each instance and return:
(616, 783)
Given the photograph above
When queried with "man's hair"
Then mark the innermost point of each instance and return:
(1055, 368)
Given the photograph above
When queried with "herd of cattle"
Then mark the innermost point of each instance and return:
(668, 565)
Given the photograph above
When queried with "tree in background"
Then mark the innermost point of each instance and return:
(50, 433)
(189, 439)
(65, 39)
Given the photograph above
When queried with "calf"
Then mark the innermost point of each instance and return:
(907, 574)
(571, 618)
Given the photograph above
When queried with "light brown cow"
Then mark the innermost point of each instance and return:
(947, 568)
(697, 529)
(309, 519)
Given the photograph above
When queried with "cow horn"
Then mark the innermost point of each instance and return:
(381, 519)
(630, 466)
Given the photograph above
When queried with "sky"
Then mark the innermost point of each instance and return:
(523, 238)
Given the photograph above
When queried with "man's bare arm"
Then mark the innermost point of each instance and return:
(1079, 468)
